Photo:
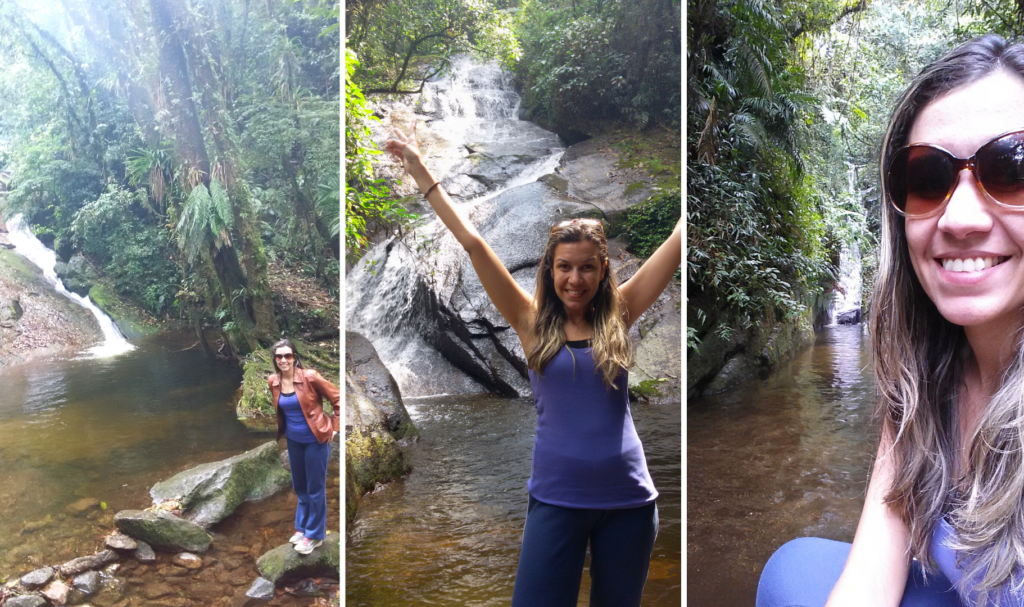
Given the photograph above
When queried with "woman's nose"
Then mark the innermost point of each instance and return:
(967, 210)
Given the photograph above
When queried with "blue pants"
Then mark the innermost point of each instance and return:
(555, 544)
(803, 572)
(309, 480)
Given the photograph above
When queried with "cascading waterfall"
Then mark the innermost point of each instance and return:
(28, 246)
(846, 307)
(417, 299)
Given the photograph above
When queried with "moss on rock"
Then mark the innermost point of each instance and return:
(132, 321)
(371, 457)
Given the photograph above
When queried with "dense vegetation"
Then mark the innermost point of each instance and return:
(185, 148)
(578, 63)
(786, 107)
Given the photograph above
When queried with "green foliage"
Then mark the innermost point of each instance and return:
(206, 219)
(651, 223)
(369, 202)
(596, 60)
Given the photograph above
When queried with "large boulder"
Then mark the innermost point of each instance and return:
(78, 276)
(372, 455)
(210, 492)
(283, 564)
(163, 530)
(365, 368)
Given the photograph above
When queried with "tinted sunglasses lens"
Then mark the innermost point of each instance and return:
(283, 356)
(1000, 169)
(920, 178)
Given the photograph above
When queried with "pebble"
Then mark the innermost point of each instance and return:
(57, 593)
(144, 553)
(120, 541)
(262, 588)
(188, 561)
(37, 578)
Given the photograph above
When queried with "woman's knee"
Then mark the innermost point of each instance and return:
(802, 573)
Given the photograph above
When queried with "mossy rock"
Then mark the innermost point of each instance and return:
(163, 531)
(257, 366)
(370, 458)
(283, 564)
(20, 268)
(132, 321)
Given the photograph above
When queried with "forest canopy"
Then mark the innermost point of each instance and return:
(186, 148)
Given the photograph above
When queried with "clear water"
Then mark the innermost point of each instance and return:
(449, 534)
(777, 459)
(108, 429)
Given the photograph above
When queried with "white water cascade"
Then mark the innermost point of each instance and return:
(28, 246)
(846, 308)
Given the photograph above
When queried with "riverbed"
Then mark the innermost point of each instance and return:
(450, 532)
(777, 459)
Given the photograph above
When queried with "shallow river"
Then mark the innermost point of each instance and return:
(449, 534)
(777, 459)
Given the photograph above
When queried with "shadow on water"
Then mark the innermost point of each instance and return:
(449, 533)
(777, 459)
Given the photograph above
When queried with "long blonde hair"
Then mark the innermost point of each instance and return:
(611, 347)
(919, 360)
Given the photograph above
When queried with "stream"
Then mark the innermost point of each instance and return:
(776, 459)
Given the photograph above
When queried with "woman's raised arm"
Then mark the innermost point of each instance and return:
(643, 288)
(512, 301)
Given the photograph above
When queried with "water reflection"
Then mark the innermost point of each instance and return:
(777, 459)
(106, 429)
(450, 533)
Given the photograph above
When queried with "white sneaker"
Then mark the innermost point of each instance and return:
(295, 539)
(306, 545)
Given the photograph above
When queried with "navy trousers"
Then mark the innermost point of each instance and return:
(309, 480)
(803, 572)
(555, 543)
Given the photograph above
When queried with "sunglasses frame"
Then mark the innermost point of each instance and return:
(284, 356)
(959, 164)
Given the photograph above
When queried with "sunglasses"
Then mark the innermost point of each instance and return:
(921, 178)
(284, 356)
(581, 220)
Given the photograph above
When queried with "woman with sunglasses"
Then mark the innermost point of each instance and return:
(298, 394)
(943, 518)
(589, 480)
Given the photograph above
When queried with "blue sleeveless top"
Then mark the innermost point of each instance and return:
(945, 558)
(586, 453)
(296, 428)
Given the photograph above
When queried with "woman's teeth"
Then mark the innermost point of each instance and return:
(976, 264)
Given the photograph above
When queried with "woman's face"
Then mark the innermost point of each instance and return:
(284, 358)
(577, 271)
(971, 226)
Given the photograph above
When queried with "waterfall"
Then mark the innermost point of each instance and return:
(417, 298)
(28, 246)
(846, 307)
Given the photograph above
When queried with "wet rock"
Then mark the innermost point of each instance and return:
(37, 578)
(83, 506)
(156, 590)
(170, 601)
(120, 541)
(366, 369)
(588, 166)
(87, 583)
(85, 563)
(262, 588)
(26, 600)
(204, 593)
(211, 492)
(111, 591)
(655, 376)
(33, 526)
(188, 561)
(57, 593)
(78, 276)
(283, 564)
(10, 309)
(163, 531)
(144, 553)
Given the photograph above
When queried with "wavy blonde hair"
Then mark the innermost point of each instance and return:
(919, 360)
(612, 348)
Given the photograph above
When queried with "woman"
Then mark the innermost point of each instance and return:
(589, 480)
(947, 488)
(298, 395)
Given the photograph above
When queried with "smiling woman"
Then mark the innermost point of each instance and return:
(589, 482)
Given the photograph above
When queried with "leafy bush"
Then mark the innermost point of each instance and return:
(650, 223)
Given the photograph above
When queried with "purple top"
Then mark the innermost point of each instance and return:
(945, 558)
(586, 453)
(296, 428)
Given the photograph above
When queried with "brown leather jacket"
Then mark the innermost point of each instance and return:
(311, 388)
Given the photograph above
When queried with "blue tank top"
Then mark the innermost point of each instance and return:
(945, 558)
(296, 428)
(586, 453)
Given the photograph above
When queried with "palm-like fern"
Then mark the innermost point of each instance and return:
(327, 200)
(206, 218)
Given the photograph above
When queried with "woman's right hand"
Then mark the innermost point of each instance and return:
(405, 149)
